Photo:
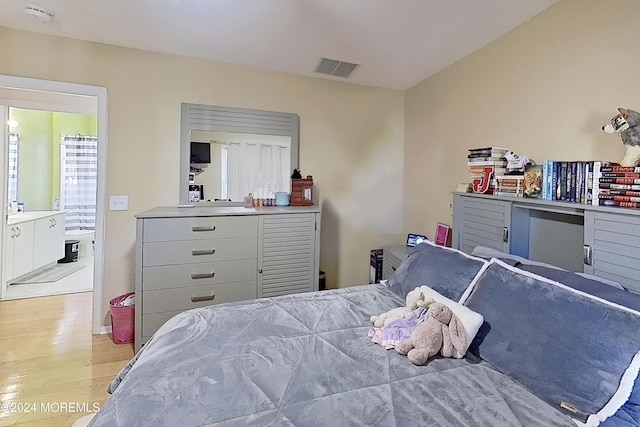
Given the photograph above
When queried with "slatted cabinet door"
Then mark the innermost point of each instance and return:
(481, 222)
(611, 247)
(286, 254)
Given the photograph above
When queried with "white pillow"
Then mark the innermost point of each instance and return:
(469, 318)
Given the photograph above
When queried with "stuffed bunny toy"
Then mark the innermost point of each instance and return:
(414, 299)
(441, 332)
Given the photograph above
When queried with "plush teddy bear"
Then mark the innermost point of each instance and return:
(627, 124)
(413, 300)
(441, 332)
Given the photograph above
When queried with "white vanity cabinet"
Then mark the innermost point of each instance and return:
(33, 240)
(48, 240)
(194, 257)
(19, 257)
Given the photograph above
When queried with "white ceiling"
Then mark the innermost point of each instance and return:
(397, 42)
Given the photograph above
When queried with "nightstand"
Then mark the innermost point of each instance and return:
(392, 256)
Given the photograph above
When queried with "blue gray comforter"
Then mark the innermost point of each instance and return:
(306, 360)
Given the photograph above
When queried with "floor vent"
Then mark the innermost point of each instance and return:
(334, 67)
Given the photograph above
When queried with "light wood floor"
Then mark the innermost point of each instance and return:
(48, 356)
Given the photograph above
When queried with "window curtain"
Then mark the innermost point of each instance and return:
(79, 181)
(12, 194)
(256, 169)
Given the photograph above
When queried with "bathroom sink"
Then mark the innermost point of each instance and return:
(28, 216)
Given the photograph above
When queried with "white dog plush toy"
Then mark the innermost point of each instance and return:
(627, 124)
(516, 163)
(414, 299)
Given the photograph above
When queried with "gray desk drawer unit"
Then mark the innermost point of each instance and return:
(599, 240)
(189, 258)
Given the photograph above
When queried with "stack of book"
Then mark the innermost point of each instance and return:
(481, 158)
(570, 182)
(510, 185)
(616, 185)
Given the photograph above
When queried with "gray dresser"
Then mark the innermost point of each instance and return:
(193, 257)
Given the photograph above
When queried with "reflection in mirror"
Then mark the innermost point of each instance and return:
(239, 164)
(244, 151)
(52, 164)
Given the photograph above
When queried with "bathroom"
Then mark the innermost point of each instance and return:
(52, 175)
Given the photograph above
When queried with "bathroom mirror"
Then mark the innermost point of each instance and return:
(251, 151)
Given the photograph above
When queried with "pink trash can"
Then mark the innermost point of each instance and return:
(122, 310)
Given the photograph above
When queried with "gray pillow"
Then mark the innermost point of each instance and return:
(591, 285)
(484, 252)
(601, 280)
(445, 270)
(560, 343)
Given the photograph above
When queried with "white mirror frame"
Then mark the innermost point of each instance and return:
(197, 117)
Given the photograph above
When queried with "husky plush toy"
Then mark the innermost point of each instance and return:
(627, 124)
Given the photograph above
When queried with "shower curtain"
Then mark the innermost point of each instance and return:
(79, 181)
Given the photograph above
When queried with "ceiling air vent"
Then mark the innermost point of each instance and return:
(334, 67)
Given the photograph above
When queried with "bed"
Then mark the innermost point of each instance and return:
(307, 360)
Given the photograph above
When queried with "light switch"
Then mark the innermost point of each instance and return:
(118, 203)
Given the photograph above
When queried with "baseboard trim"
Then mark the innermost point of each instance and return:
(104, 330)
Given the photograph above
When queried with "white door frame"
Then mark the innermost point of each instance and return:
(4, 179)
(100, 92)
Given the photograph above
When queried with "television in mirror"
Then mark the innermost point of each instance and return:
(200, 152)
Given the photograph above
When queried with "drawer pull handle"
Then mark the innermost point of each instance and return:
(203, 275)
(393, 267)
(205, 228)
(203, 251)
(203, 298)
(587, 255)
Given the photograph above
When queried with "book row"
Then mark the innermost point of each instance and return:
(589, 182)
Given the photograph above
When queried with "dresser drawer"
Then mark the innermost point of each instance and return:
(168, 229)
(205, 250)
(209, 273)
(185, 298)
(151, 322)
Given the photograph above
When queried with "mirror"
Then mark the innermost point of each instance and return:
(249, 151)
(52, 162)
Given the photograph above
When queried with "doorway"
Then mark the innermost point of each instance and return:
(52, 177)
(45, 95)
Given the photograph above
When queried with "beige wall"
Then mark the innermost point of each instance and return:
(351, 140)
(543, 90)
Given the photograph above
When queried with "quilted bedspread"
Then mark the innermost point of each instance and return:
(306, 360)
